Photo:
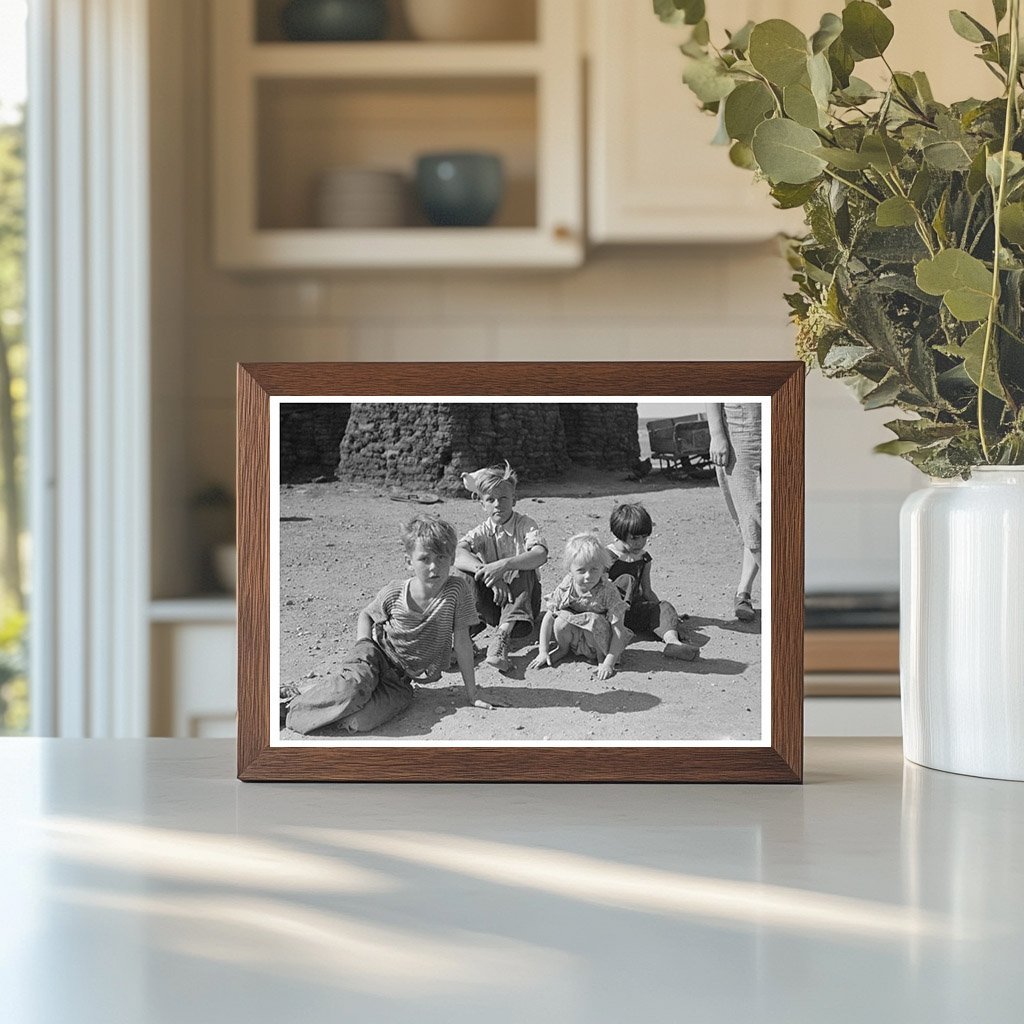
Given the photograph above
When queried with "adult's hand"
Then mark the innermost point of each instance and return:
(719, 451)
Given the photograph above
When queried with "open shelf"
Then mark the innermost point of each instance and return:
(287, 113)
(519, 16)
(306, 128)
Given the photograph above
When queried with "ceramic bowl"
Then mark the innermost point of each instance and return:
(460, 189)
(471, 20)
(334, 20)
(359, 197)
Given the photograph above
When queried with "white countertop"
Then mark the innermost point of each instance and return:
(145, 885)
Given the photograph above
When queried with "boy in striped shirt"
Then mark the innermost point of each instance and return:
(405, 633)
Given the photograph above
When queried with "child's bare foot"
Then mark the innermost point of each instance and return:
(681, 651)
(547, 659)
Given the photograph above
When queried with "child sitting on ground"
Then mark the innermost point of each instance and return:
(630, 571)
(585, 613)
(502, 555)
(406, 632)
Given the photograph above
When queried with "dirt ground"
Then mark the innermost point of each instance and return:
(339, 546)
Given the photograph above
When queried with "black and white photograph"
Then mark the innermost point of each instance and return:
(556, 571)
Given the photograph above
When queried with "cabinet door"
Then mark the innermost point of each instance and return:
(653, 174)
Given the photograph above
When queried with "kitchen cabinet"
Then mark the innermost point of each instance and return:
(287, 113)
(653, 175)
(193, 655)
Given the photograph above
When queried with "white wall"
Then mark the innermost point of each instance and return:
(721, 302)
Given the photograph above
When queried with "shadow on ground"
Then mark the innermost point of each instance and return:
(635, 660)
(699, 622)
(435, 703)
(588, 484)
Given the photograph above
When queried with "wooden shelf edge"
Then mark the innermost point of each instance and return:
(212, 608)
(320, 248)
(392, 60)
(852, 650)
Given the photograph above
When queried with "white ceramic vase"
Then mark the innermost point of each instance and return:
(962, 624)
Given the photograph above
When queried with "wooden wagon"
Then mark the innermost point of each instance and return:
(682, 443)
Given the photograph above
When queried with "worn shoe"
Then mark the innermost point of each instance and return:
(744, 608)
(497, 651)
(682, 651)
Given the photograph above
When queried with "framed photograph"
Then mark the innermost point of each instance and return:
(517, 572)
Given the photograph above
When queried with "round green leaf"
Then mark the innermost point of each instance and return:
(967, 28)
(740, 39)
(1011, 225)
(742, 156)
(841, 62)
(883, 153)
(784, 151)
(779, 51)
(746, 107)
(800, 105)
(707, 80)
(844, 159)
(675, 12)
(971, 352)
(866, 29)
(788, 197)
(962, 280)
(829, 30)
(994, 168)
(947, 156)
(895, 212)
(820, 75)
(858, 91)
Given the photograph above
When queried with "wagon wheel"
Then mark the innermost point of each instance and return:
(701, 468)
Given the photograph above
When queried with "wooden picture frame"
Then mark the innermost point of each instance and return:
(777, 753)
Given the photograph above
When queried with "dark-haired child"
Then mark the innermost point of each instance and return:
(405, 633)
(630, 571)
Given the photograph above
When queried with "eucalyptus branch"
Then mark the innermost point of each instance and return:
(923, 228)
(771, 89)
(908, 100)
(855, 187)
(1006, 330)
(968, 218)
(977, 238)
(993, 308)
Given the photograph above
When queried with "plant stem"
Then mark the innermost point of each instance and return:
(768, 85)
(922, 225)
(1012, 334)
(981, 231)
(850, 184)
(993, 308)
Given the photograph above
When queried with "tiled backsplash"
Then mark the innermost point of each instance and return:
(702, 303)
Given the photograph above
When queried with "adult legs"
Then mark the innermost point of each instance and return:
(740, 483)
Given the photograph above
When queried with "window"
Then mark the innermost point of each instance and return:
(14, 550)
